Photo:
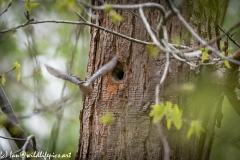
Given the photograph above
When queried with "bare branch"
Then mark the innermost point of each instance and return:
(29, 138)
(140, 17)
(79, 15)
(190, 29)
(229, 36)
(164, 141)
(10, 138)
(133, 6)
(149, 30)
(9, 5)
(77, 23)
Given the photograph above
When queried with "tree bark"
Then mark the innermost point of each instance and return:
(129, 90)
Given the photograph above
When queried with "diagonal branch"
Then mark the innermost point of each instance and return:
(9, 5)
(190, 29)
(76, 23)
(230, 37)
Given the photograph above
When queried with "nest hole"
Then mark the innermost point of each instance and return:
(118, 72)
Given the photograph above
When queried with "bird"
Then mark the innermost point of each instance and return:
(84, 86)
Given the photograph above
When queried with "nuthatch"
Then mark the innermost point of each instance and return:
(85, 86)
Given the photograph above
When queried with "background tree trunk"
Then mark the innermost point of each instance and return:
(129, 90)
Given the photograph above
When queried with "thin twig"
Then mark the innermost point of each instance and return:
(6, 9)
(203, 42)
(229, 36)
(133, 6)
(78, 23)
(79, 15)
(164, 141)
(29, 138)
(7, 72)
(10, 138)
(140, 17)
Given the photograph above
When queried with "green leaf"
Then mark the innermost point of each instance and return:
(17, 66)
(230, 52)
(107, 8)
(176, 115)
(152, 50)
(29, 5)
(115, 17)
(190, 132)
(3, 79)
(195, 128)
(205, 55)
(34, 4)
(169, 122)
(158, 112)
(226, 63)
(107, 119)
(223, 53)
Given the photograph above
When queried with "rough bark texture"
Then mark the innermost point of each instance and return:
(129, 90)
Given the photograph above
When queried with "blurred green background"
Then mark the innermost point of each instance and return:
(40, 99)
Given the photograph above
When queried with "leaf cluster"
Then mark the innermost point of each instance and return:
(173, 115)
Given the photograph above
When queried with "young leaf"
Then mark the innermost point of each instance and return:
(17, 66)
(29, 5)
(205, 55)
(115, 17)
(226, 63)
(223, 53)
(195, 128)
(3, 79)
(107, 8)
(230, 52)
(152, 50)
(190, 132)
(34, 4)
(176, 115)
(158, 112)
(107, 119)
(169, 122)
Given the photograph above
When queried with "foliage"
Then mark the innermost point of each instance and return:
(195, 128)
(29, 5)
(172, 113)
(107, 118)
(3, 79)
(115, 17)
(204, 54)
(152, 50)
(17, 67)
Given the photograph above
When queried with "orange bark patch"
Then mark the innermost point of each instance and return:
(111, 88)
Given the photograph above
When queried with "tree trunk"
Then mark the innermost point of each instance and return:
(129, 90)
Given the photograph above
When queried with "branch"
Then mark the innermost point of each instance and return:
(27, 143)
(230, 37)
(6, 107)
(15, 131)
(190, 29)
(77, 23)
(10, 138)
(9, 5)
(164, 141)
(7, 72)
(133, 6)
